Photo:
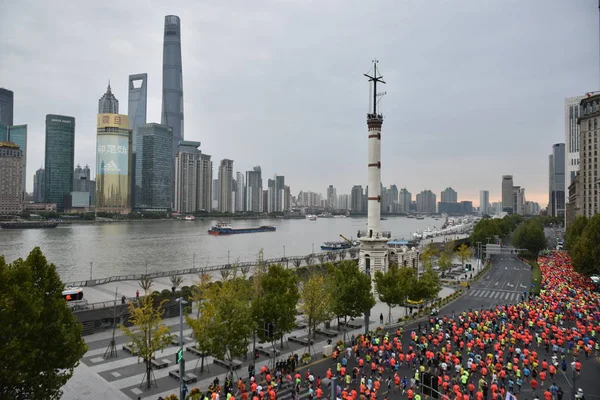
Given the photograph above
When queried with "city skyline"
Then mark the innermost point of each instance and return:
(226, 96)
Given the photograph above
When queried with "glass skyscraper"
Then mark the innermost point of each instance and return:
(138, 101)
(154, 167)
(18, 135)
(108, 103)
(113, 164)
(6, 106)
(59, 159)
(172, 83)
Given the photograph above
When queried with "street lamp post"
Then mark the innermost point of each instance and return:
(227, 257)
(91, 269)
(417, 265)
(313, 249)
(284, 251)
(182, 360)
(194, 260)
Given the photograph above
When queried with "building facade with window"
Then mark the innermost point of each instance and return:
(589, 178)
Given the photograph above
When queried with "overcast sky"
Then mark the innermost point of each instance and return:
(475, 88)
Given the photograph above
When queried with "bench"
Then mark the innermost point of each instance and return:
(175, 340)
(304, 341)
(269, 352)
(301, 325)
(158, 364)
(196, 351)
(235, 364)
(130, 349)
(327, 332)
(354, 324)
(188, 378)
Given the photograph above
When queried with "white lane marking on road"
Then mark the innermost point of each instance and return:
(476, 293)
(496, 284)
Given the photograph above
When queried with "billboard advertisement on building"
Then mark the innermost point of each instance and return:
(113, 176)
(113, 121)
(113, 154)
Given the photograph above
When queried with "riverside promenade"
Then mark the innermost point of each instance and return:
(120, 377)
(100, 293)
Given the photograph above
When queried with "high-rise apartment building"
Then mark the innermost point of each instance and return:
(272, 196)
(18, 135)
(287, 198)
(343, 202)
(154, 167)
(572, 114)
(206, 180)
(518, 200)
(356, 199)
(113, 164)
(83, 183)
(426, 202)
(138, 104)
(589, 174)
(279, 193)
(484, 201)
(38, 186)
(108, 103)
(215, 193)
(449, 195)
(188, 180)
(59, 159)
(193, 179)
(11, 173)
(240, 192)
(254, 190)
(172, 80)
(331, 197)
(226, 186)
(507, 194)
(7, 99)
(405, 198)
(556, 184)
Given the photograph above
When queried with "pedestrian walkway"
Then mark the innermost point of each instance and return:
(125, 373)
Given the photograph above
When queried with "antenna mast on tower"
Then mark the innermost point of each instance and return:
(375, 78)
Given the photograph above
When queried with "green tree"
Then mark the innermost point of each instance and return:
(486, 228)
(427, 254)
(41, 338)
(352, 295)
(316, 300)
(427, 287)
(226, 319)
(464, 253)
(586, 251)
(393, 286)
(199, 290)
(277, 303)
(150, 333)
(530, 235)
(574, 232)
(445, 262)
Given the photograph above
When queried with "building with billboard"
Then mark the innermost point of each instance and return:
(10, 179)
(59, 159)
(113, 164)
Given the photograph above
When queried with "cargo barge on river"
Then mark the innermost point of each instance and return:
(29, 224)
(223, 228)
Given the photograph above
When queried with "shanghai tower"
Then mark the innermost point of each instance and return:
(172, 83)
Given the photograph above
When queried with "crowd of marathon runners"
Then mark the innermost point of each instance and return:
(520, 349)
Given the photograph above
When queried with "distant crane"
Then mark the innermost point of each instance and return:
(350, 242)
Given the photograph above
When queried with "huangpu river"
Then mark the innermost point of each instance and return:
(135, 247)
